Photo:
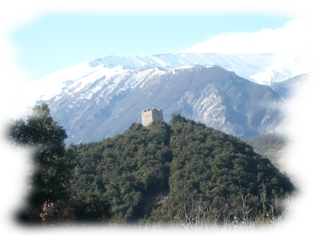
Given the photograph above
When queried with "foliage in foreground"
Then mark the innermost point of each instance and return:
(144, 172)
(35, 192)
(182, 173)
(291, 152)
(199, 218)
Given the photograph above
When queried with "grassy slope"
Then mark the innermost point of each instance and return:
(292, 152)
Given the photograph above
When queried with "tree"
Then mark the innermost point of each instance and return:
(50, 179)
(7, 175)
(91, 207)
(7, 125)
(14, 217)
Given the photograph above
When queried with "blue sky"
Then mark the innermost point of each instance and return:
(57, 41)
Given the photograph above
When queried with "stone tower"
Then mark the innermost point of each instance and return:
(150, 115)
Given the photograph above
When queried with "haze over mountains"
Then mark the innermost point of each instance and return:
(227, 91)
(294, 37)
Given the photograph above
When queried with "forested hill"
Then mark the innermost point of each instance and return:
(178, 178)
(181, 172)
(291, 152)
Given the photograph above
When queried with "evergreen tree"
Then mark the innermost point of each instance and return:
(7, 125)
(14, 218)
(50, 179)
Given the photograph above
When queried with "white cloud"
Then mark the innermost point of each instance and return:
(295, 37)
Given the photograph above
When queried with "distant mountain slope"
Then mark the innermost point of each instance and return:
(211, 95)
(286, 88)
(299, 94)
(259, 68)
(292, 152)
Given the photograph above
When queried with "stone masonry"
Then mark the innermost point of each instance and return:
(150, 115)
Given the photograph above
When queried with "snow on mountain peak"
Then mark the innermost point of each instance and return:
(263, 69)
(69, 80)
(295, 36)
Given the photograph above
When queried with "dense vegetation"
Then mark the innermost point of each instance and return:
(35, 190)
(183, 172)
(291, 152)
(148, 174)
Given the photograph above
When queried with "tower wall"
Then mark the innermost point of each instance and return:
(150, 115)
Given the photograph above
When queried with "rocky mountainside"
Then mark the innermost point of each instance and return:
(211, 95)
(264, 69)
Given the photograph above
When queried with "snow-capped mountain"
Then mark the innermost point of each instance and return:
(259, 68)
(235, 82)
(103, 97)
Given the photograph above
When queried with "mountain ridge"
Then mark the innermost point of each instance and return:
(260, 68)
(102, 97)
(211, 95)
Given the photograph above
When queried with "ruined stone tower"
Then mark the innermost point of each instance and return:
(150, 115)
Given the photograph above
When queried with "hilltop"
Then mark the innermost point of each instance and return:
(184, 172)
(181, 172)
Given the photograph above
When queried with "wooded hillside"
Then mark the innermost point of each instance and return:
(179, 172)
(291, 152)
(182, 172)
